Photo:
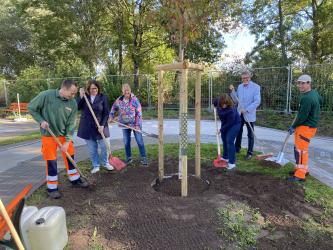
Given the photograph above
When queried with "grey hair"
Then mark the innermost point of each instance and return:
(246, 72)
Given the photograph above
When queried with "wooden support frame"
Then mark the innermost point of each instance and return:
(184, 67)
(160, 126)
(197, 124)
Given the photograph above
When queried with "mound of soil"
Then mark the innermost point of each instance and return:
(127, 213)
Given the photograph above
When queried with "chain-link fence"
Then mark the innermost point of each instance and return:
(278, 89)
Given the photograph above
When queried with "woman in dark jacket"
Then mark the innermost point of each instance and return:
(88, 130)
(230, 125)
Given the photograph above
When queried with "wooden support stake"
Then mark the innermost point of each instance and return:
(160, 126)
(197, 124)
(183, 133)
(179, 66)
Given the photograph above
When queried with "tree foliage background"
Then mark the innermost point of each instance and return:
(42, 39)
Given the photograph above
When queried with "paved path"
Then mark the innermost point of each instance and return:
(22, 163)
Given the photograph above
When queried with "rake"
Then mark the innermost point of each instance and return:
(114, 161)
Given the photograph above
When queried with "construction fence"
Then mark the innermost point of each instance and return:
(278, 87)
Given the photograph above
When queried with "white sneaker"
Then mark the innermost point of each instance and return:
(109, 167)
(94, 170)
(231, 166)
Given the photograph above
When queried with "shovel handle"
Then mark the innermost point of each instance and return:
(244, 115)
(67, 154)
(288, 135)
(217, 134)
(12, 229)
(97, 123)
(137, 130)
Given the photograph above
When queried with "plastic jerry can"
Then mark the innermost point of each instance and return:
(27, 213)
(47, 229)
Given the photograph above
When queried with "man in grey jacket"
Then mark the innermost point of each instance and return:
(248, 93)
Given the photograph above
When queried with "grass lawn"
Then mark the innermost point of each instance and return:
(19, 138)
(252, 207)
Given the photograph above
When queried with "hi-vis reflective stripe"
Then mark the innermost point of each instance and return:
(300, 166)
(52, 178)
(72, 171)
(74, 177)
(52, 186)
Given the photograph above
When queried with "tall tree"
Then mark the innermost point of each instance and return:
(15, 51)
(313, 36)
(271, 22)
(188, 20)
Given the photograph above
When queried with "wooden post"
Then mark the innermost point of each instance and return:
(160, 126)
(183, 130)
(197, 123)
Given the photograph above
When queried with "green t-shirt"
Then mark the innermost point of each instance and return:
(59, 112)
(309, 109)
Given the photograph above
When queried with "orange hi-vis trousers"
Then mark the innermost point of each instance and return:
(49, 151)
(303, 135)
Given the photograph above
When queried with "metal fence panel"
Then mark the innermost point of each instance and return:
(322, 80)
(278, 89)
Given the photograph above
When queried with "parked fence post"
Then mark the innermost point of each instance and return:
(290, 77)
(6, 93)
(149, 92)
(288, 89)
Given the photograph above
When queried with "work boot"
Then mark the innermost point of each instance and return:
(54, 194)
(295, 179)
(80, 183)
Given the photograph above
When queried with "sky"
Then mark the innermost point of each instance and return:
(238, 44)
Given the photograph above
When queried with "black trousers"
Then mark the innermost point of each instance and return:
(250, 136)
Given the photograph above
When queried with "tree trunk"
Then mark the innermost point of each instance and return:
(315, 33)
(282, 34)
(120, 45)
(136, 75)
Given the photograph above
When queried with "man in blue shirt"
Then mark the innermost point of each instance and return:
(248, 93)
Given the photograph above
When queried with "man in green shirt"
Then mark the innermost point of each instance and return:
(305, 126)
(56, 109)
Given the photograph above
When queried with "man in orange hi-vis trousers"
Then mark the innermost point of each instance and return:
(56, 109)
(305, 126)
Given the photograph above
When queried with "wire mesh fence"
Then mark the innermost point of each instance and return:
(278, 89)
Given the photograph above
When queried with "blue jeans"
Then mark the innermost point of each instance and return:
(228, 139)
(127, 142)
(93, 152)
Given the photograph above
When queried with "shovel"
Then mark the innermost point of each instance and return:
(137, 130)
(218, 162)
(114, 161)
(69, 157)
(260, 156)
(279, 159)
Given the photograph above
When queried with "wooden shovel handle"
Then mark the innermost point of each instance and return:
(67, 154)
(97, 123)
(137, 130)
(11, 226)
(217, 134)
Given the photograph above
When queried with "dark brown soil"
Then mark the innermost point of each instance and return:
(127, 213)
